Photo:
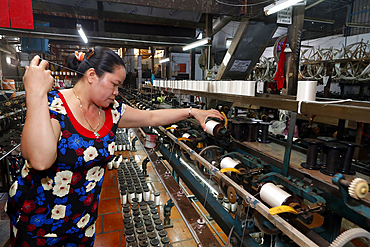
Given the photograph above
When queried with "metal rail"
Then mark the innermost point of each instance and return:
(276, 220)
(358, 111)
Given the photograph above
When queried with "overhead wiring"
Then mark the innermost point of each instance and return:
(242, 5)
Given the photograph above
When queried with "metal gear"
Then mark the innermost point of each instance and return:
(349, 235)
(358, 188)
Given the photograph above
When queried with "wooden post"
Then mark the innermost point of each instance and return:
(209, 20)
(192, 65)
(292, 58)
(100, 16)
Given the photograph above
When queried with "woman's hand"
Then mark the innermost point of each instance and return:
(38, 79)
(202, 115)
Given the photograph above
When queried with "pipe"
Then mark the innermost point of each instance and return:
(220, 22)
(90, 37)
(314, 4)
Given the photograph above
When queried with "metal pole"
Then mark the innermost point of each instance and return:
(288, 146)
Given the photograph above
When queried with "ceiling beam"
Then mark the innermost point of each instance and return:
(92, 14)
(71, 36)
(199, 6)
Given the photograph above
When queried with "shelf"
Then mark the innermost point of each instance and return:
(358, 111)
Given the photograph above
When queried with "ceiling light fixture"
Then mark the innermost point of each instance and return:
(81, 32)
(279, 5)
(196, 44)
(164, 60)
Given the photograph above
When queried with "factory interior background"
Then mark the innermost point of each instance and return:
(289, 163)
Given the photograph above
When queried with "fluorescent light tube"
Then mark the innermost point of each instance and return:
(81, 32)
(279, 5)
(164, 60)
(196, 44)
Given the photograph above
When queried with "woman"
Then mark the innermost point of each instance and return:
(68, 138)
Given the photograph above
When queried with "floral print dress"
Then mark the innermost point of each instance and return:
(61, 202)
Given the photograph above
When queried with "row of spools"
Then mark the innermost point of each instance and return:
(229, 87)
(143, 226)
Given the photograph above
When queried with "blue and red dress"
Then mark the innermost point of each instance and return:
(59, 206)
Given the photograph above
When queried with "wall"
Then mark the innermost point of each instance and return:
(10, 71)
(184, 58)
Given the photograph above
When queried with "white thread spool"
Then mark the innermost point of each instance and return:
(210, 125)
(123, 147)
(116, 164)
(156, 198)
(273, 195)
(139, 196)
(123, 197)
(119, 147)
(225, 86)
(226, 204)
(203, 85)
(248, 88)
(115, 148)
(173, 126)
(146, 195)
(228, 162)
(234, 206)
(186, 135)
(131, 196)
(110, 165)
(306, 90)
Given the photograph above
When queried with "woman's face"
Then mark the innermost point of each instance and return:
(106, 88)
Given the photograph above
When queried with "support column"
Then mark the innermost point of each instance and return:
(167, 64)
(152, 58)
(139, 70)
(292, 59)
(209, 21)
(100, 16)
(192, 65)
(329, 72)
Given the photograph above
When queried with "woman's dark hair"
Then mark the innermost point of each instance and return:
(101, 59)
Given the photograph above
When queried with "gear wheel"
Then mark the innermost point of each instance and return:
(358, 188)
(349, 235)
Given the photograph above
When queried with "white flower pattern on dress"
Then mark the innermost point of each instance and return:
(90, 153)
(63, 177)
(123, 109)
(47, 183)
(61, 189)
(83, 221)
(13, 189)
(115, 104)
(90, 231)
(90, 186)
(25, 171)
(58, 212)
(92, 173)
(15, 230)
(111, 148)
(57, 106)
(115, 116)
(50, 235)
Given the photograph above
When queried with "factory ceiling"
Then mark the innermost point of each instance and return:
(144, 23)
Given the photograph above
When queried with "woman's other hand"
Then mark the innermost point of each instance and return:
(38, 79)
(202, 115)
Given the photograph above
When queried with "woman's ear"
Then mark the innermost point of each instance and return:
(91, 75)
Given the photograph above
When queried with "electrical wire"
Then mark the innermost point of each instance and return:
(242, 5)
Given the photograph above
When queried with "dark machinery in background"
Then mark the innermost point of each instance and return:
(258, 201)
(12, 117)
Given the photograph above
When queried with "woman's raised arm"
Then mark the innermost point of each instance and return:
(40, 133)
